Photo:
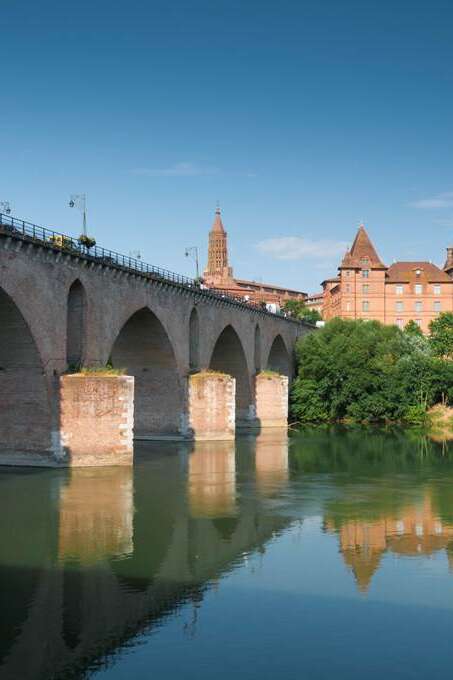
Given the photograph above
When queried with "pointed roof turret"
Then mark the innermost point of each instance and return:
(362, 249)
(448, 267)
(217, 225)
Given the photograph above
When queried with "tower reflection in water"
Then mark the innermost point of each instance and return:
(93, 557)
(416, 529)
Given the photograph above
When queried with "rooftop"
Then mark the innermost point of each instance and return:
(405, 272)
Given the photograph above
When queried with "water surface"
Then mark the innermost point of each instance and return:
(328, 556)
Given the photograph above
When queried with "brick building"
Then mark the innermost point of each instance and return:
(219, 274)
(366, 288)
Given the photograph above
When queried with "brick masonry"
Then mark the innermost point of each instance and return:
(92, 313)
(211, 406)
(271, 393)
(96, 420)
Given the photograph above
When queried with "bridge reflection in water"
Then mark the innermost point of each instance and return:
(92, 557)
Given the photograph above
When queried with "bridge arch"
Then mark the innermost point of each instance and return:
(228, 356)
(25, 413)
(75, 325)
(143, 349)
(279, 359)
(194, 340)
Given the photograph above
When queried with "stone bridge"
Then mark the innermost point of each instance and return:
(63, 307)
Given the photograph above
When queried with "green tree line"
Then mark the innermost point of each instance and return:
(363, 371)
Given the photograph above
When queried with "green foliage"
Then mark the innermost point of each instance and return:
(299, 310)
(104, 371)
(411, 328)
(441, 335)
(87, 241)
(363, 371)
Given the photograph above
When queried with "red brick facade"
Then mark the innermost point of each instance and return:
(366, 288)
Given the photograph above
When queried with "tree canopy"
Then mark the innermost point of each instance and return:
(365, 371)
(441, 335)
(299, 310)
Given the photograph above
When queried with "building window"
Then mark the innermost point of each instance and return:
(364, 260)
(399, 306)
(399, 289)
(348, 306)
(365, 306)
(348, 273)
(418, 306)
(418, 322)
(437, 306)
(365, 289)
(437, 289)
(365, 273)
(418, 272)
(348, 287)
(399, 323)
(418, 289)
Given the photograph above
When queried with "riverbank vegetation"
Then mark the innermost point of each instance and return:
(363, 371)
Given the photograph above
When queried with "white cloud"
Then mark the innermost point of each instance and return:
(183, 169)
(444, 200)
(298, 248)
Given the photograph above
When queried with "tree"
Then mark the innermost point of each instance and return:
(299, 310)
(365, 371)
(441, 335)
(412, 328)
(311, 315)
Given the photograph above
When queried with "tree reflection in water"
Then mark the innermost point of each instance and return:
(89, 559)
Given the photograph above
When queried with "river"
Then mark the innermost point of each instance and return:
(328, 555)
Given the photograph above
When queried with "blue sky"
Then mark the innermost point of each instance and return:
(301, 118)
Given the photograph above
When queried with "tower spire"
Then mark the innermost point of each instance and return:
(217, 268)
(217, 225)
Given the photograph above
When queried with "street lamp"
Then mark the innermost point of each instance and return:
(192, 251)
(5, 207)
(80, 201)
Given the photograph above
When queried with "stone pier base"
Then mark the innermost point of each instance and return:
(211, 406)
(271, 393)
(96, 420)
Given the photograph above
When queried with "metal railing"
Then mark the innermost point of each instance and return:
(56, 240)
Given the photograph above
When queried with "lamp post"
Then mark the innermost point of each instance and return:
(80, 201)
(192, 251)
(5, 207)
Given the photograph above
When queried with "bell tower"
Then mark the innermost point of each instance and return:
(218, 272)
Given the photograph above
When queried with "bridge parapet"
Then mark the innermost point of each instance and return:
(59, 242)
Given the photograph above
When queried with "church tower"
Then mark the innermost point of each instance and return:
(218, 273)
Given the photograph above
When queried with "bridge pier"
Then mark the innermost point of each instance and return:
(96, 420)
(271, 399)
(211, 406)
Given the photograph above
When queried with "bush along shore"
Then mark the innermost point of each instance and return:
(364, 372)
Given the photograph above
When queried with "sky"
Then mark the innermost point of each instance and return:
(301, 118)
